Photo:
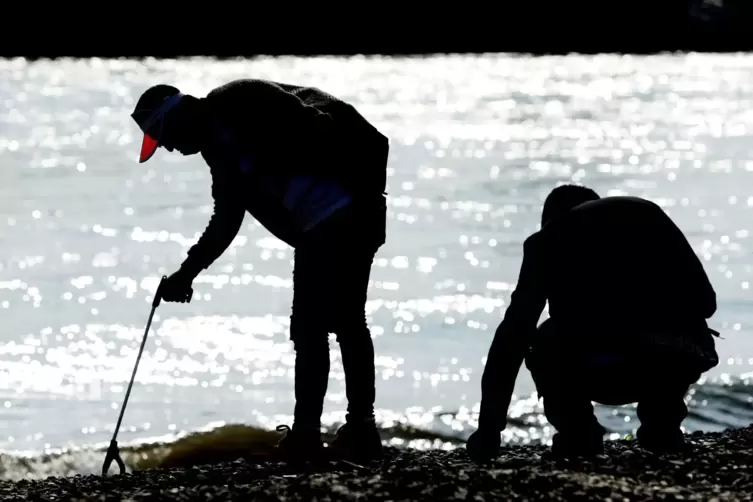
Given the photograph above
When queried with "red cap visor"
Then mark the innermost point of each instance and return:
(148, 146)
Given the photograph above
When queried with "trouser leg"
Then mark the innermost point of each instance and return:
(309, 333)
(354, 337)
(560, 379)
(662, 409)
(331, 280)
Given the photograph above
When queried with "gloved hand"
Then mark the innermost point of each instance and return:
(177, 287)
(483, 445)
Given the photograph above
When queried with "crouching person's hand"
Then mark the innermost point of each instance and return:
(483, 445)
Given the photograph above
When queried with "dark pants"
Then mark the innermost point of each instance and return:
(569, 375)
(330, 283)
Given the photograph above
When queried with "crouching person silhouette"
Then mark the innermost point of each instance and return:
(628, 304)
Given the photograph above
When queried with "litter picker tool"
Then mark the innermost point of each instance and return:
(113, 452)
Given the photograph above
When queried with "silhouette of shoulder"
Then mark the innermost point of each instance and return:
(618, 203)
(616, 215)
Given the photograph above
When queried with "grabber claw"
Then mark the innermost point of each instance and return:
(113, 453)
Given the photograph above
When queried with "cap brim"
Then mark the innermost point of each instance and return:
(148, 146)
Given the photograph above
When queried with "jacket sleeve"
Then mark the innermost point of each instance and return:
(224, 223)
(512, 339)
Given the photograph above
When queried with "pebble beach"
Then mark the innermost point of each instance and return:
(719, 468)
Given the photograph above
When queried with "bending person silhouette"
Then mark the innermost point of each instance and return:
(628, 303)
(312, 170)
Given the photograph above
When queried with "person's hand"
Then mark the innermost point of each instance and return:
(483, 445)
(177, 287)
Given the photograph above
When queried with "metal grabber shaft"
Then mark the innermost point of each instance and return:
(113, 452)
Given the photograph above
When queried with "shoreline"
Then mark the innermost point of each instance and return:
(719, 468)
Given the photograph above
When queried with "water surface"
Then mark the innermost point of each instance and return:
(477, 143)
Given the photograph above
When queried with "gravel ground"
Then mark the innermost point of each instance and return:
(720, 468)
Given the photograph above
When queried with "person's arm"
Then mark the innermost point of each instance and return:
(223, 226)
(512, 339)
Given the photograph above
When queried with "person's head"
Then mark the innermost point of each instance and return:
(564, 198)
(170, 119)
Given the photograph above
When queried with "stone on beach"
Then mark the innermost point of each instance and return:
(720, 468)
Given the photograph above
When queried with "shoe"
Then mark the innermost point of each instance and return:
(662, 441)
(357, 442)
(299, 445)
(572, 446)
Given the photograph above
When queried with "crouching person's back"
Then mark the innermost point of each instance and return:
(628, 303)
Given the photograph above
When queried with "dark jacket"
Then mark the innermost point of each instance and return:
(290, 156)
(614, 265)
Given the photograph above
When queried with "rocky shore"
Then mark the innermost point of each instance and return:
(720, 468)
